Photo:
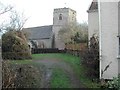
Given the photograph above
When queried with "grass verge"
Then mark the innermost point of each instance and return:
(75, 62)
(58, 74)
(59, 79)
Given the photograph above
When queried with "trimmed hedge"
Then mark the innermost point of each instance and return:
(15, 46)
(16, 55)
(16, 76)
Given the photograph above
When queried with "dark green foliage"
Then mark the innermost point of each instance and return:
(14, 46)
(113, 84)
(79, 38)
(90, 58)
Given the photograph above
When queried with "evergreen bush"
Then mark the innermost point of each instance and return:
(15, 46)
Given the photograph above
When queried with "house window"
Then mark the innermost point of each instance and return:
(118, 47)
(60, 17)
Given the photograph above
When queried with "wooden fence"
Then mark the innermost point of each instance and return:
(79, 46)
(76, 49)
(47, 50)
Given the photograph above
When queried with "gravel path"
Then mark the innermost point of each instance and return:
(53, 63)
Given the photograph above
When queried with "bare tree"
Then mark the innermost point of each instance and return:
(16, 22)
(72, 32)
(4, 9)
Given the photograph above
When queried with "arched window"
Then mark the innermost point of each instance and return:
(60, 17)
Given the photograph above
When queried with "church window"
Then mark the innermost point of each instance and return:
(60, 17)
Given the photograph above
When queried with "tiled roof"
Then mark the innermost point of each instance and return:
(43, 32)
(93, 6)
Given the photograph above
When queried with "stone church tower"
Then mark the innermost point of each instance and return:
(61, 18)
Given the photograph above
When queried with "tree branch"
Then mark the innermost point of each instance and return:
(6, 9)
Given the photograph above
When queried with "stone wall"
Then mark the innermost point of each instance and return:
(68, 16)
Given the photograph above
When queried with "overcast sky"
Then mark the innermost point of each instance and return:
(40, 12)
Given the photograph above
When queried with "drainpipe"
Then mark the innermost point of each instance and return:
(100, 37)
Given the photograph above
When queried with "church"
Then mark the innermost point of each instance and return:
(47, 36)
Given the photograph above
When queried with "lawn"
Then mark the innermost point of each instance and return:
(75, 62)
(57, 79)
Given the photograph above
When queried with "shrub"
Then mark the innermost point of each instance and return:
(90, 58)
(113, 84)
(8, 75)
(15, 46)
(20, 76)
(27, 76)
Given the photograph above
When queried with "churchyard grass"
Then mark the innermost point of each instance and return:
(59, 79)
(73, 61)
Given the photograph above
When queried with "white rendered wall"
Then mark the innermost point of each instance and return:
(109, 39)
(93, 25)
